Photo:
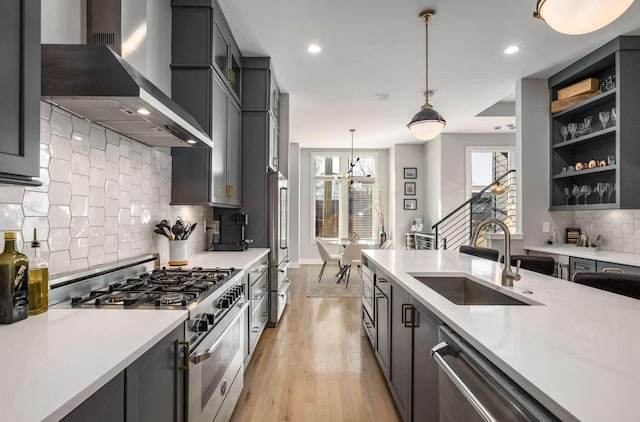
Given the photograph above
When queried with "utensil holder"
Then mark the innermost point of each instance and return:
(178, 252)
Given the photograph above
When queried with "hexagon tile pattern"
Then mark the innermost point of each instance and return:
(91, 209)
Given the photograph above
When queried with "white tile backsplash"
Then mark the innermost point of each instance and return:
(101, 197)
(619, 229)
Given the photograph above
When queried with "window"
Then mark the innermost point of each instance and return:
(343, 208)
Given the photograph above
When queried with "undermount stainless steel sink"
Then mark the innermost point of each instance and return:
(464, 291)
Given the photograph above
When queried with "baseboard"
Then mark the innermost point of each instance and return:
(294, 264)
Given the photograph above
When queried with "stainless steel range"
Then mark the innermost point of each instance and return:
(213, 348)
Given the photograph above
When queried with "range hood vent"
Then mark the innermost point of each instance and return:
(94, 82)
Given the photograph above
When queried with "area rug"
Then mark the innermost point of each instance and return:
(328, 287)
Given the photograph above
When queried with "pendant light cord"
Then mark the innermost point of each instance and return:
(425, 16)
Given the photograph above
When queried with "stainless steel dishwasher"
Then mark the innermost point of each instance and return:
(473, 389)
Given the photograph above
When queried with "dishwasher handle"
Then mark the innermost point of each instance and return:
(437, 353)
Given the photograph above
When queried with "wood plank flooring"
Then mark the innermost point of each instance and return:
(315, 366)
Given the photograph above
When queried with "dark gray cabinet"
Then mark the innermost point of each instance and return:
(105, 405)
(150, 389)
(260, 100)
(201, 37)
(578, 265)
(617, 62)
(206, 79)
(154, 383)
(424, 388)
(382, 307)
(20, 87)
(401, 350)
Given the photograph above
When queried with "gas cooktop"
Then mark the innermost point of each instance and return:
(159, 288)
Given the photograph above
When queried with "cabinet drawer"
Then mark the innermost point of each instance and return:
(628, 269)
(259, 271)
(259, 319)
(577, 265)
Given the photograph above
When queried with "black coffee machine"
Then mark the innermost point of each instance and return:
(230, 236)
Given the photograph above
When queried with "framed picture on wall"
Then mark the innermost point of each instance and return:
(410, 204)
(409, 188)
(410, 173)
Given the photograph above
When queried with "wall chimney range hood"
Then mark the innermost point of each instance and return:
(94, 82)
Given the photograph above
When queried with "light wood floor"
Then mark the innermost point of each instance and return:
(315, 366)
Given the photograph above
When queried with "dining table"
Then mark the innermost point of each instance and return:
(344, 243)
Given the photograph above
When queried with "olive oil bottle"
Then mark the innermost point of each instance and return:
(14, 275)
(38, 279)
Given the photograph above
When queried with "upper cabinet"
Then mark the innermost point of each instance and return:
(20, 87)
(595, 148)
(206, 81)
(201, 37)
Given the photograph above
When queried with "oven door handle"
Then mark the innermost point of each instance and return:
(201, 357)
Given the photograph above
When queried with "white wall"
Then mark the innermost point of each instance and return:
(532, 158)
(407, 155)
(308, 249)
(294, 204)
(453, 154)
(433, 185)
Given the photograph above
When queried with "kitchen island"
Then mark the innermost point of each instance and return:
(575, 352)
(52, 362)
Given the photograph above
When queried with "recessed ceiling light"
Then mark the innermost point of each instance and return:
(511, 49)
(314, 49)
(191, 141)
(143, 111)
(382, 96)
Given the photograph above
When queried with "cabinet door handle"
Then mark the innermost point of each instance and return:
(612, 270)
(229, 193)
(407, 320)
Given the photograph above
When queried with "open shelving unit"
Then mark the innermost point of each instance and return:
(620, 59)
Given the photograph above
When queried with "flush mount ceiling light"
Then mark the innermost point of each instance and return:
(576, 17)
(427, 123)
(314, 49)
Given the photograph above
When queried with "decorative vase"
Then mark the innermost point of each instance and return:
(383, 236)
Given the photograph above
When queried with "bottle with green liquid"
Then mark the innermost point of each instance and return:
(38, 279)
(14, 275)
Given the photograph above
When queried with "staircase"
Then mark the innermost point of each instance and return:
(496, 200)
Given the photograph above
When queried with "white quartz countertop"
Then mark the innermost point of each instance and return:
(50, 363)
(589, 253)
(577, 353)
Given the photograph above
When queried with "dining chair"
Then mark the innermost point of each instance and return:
(387, 244)
(352, 256)
(614, 282)
(327, 257)
(540, 264)
(486, 253)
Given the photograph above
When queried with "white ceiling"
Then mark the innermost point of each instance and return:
(377, 46)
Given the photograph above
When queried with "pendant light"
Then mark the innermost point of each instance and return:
(427, 123)
(352, 162)
(576, 17)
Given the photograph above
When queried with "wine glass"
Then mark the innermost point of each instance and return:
(576, 192)
(614, 116)
(608, 188)
(581, 129)
(573, 127)
(567, 195)
(587, 124)
(604, 118)
(586, 190)
(564, 131)
(600, 189)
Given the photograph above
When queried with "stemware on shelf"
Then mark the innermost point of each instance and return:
(608, 188)
(576, 192)
(573, 127)
(564, 131)
(586, 190)
(567, 195)
(604, 118)
(614, 116)
(611, 160)
(601, 189)
(587, 124)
